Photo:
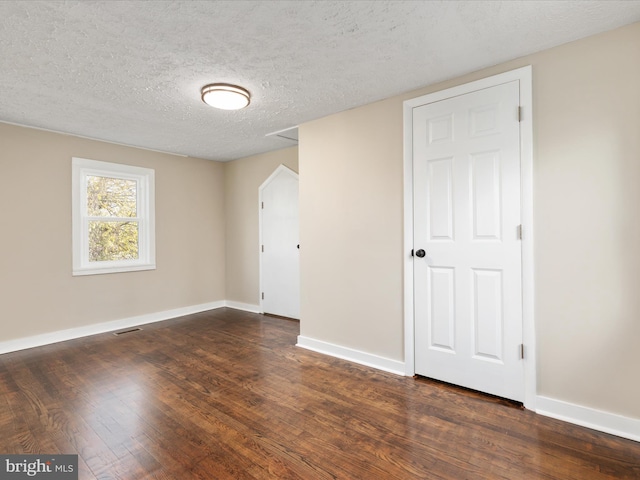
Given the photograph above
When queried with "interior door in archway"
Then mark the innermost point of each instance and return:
(279, 249)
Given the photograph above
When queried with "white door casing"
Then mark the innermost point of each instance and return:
(279, 244)
(467, 172)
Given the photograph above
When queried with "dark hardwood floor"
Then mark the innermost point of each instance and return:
(226, 395)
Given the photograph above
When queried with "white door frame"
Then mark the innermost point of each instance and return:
(523, 75)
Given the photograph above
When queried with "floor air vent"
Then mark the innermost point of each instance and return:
(127, 331)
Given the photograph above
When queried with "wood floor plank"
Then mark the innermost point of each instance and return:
(226, 395)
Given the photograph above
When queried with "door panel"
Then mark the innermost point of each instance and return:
(487, 314)
(440, 198)
(468, 298)
(441, 314)
(485, 195)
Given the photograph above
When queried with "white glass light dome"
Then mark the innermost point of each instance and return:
(225, 96)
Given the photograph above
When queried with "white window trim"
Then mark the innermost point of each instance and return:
(145, 177)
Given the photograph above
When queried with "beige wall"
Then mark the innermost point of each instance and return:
(351, 229)
(587, 227)
(38, 293)
(242, 179)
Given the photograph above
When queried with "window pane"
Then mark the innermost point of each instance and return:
(111, 197)
(113, 241)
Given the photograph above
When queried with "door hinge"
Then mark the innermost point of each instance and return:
(521, 348)
(520, 232)
(262, 248)
(262, 295)
(519, 114)
(262, 205)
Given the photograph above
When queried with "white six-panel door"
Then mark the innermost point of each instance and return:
(467, 212)
(279, 236)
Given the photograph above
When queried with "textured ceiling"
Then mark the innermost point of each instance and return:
(130, 71)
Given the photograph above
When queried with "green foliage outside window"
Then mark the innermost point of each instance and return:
(113, 223)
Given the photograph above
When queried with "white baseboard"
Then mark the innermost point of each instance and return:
(71, 333)
(614, 424)
(356, 356)
(247, 307)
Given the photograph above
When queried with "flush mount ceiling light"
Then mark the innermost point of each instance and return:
(225, 96)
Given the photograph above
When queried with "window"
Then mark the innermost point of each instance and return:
(113, 218)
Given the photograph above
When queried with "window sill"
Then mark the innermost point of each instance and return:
(100, 270)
